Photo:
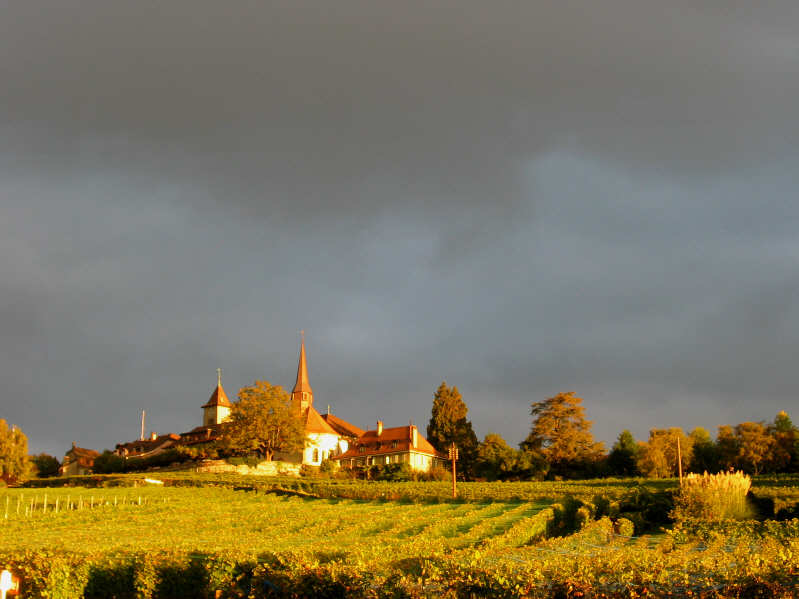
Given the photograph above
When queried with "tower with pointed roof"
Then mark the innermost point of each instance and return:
(302, 394)
(322, 441)
(217, 408)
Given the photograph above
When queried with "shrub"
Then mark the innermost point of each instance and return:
(108, 463)
(714, 497)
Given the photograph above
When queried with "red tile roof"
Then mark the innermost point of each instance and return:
(84, 457)
(342, 427)
(314, 423)
(146, 445)
(374, 444)
(218, 398)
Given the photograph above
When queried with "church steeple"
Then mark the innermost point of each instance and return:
(302, 393)
(217, 408)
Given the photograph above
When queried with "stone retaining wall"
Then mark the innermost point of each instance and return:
(273, 468)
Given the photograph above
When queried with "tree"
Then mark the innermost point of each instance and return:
(658, 458)
(562, 435)
(496, 460)
(108, 462)
(786, 452)
(448, 424)
(755, 446)
(706, 456)
(263, 422)
(623, 457)
(727, 447)
(46, 465)
(14, 461)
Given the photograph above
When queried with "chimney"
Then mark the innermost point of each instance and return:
(153, 436)
(414, 436)
(379, 427)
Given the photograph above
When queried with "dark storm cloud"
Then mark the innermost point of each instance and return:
(518, 197)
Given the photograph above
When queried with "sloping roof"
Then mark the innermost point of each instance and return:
(302, 385)
(373, 444)
(314, 423)
(81, 452)
(342, 427)
(218, 398)
(84, 457)
(146, 445)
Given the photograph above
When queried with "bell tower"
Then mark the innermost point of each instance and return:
(217, 409)
(302, 394)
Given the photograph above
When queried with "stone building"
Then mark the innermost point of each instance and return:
(77, 461)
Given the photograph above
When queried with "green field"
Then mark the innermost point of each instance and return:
(237, 537)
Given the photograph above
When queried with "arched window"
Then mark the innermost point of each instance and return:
(315, 454)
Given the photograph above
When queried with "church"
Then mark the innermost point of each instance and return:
(327, 436)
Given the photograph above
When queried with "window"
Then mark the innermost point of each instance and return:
(394, 443)
(388, 459)
(315, 455)
(361, 449)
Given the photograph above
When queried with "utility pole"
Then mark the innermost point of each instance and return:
(453, 455)
(679, 460)
(141, 437)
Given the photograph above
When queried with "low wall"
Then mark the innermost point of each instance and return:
(273, 468)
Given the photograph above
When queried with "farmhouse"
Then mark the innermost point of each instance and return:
(77, 461)
(397, 445)
(145, 448)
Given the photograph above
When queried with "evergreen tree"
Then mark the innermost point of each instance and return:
(448, 424)
(263, 422)
(562, 435)
(623, 457)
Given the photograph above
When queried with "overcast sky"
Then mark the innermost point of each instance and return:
(518, 198)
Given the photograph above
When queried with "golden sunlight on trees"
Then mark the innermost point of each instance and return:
(448, 424)
(263, 422)
(755, 446)
(562, 435)
(14, 461)
(658, 457)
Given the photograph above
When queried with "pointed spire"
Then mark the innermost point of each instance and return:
(218, 397)
(302, 385)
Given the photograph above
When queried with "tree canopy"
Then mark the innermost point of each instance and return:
(264, 422)
(496, 460)
(623, 457)
(46, 465)
(658, 457)
(562, 435)
(448, 424)
(14, 461)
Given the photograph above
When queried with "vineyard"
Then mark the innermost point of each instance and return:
(220, 537)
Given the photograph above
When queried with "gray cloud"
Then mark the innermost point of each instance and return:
(520, 199)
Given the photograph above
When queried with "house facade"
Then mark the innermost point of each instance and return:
(77, 461)
(396, 445)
